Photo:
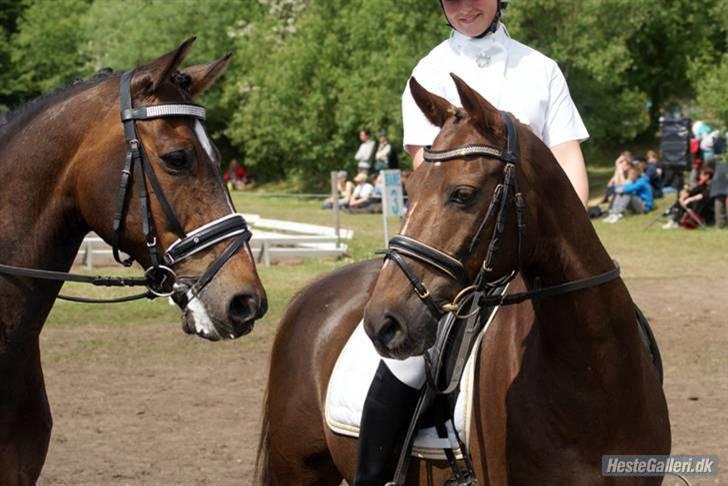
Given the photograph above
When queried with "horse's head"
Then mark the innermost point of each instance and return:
(462, 224)
(151, 186)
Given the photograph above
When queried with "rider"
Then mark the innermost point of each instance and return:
(512, 77)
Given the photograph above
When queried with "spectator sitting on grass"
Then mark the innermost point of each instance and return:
(360, 197)
(345, 189)
(378, 186)
(237, 177)
(635, 195)
(693, 201)
(621, 166)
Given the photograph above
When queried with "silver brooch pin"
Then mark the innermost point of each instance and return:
(482, 59)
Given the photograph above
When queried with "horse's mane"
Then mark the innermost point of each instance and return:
(39, 103)
(182, 80)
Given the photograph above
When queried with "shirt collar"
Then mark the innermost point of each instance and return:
(484, 51)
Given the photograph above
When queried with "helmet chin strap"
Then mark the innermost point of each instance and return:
(491, 28)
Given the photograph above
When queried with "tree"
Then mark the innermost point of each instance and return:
(303, 93)
(710, 72)
(45, 49)
(116, 39)
(594, 56)
(673, 36)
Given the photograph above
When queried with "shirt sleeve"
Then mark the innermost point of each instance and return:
(417, 128)
(563, 122)
(629, 188)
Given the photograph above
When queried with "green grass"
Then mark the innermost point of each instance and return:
(652, 254)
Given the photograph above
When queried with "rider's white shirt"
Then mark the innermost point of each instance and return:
(510, 75)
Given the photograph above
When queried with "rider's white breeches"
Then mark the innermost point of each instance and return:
(410, 371)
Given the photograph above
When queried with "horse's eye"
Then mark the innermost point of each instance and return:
(178, 160)
(463, 195)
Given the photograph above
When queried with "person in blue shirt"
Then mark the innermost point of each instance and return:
(635, 195)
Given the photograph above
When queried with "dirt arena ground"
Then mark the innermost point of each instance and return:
(146, 405)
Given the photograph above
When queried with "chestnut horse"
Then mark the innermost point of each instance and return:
(61, 163)
(560, 381)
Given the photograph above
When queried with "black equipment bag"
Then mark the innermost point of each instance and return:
(675, 141)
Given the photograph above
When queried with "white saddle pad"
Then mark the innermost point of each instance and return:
(350, 382)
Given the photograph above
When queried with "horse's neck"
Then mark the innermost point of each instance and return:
(579, 326)
(41, 225)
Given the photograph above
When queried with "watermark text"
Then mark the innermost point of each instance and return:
(658, 465)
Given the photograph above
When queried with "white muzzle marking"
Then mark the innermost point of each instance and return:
(203, 323)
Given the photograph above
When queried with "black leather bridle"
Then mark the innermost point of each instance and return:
(402, 247)
(159, 278)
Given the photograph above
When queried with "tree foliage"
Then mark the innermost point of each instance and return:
(594, 59)
(307, 75)
(341, 69)
(710, 72)
(44, 51)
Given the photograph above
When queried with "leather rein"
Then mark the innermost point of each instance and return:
(403, 247)
(159, 279)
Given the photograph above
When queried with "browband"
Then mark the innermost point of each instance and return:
(470, 150)
(163, 110)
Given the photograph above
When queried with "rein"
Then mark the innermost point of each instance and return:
(159, 279)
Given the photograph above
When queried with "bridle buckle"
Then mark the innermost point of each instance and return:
(422, 295)
(134, 144)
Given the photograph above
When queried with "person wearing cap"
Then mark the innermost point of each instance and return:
(384, 149)
(512, 77)
(345, 189)
(362, 192)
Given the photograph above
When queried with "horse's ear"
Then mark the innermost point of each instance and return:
(150, 77)
(485, 115)
(435, 108)
(204, 75)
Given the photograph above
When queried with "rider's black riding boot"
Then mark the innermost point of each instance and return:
(384, 422)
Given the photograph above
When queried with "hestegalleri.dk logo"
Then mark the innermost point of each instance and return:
(620, 465)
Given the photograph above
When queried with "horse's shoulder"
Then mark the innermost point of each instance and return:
(356, 273)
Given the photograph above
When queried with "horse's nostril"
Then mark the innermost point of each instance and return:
(387, 333)
(243, 308)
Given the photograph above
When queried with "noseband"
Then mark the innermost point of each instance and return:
(402, 246)
(159, 278)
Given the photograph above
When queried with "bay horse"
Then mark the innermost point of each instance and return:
(62, 158)
(560, 381)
